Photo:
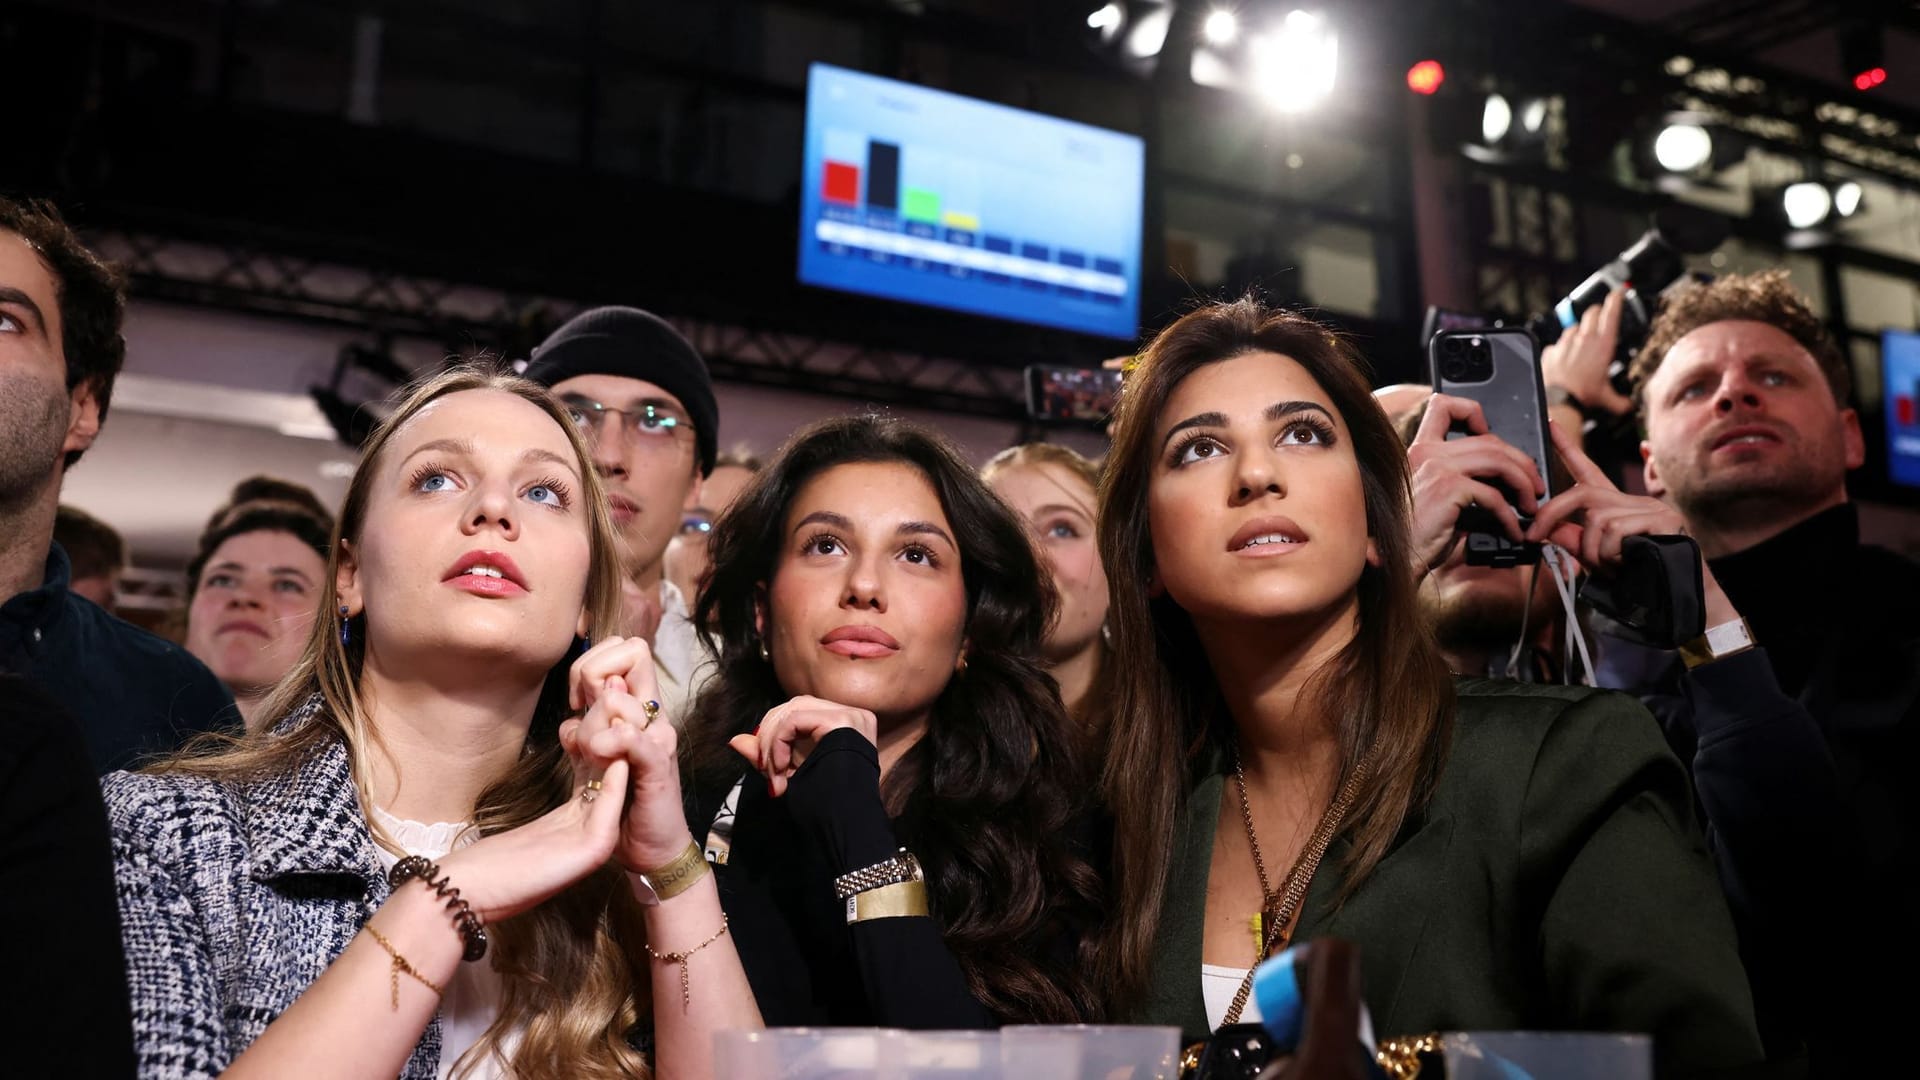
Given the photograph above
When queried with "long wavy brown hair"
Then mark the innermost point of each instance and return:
(574, 968)
(1389, 685)
(992, 789)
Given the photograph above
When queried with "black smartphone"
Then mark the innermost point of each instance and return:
(1498, 367)
(1064, 395)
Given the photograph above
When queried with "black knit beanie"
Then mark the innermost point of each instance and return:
(634, 344)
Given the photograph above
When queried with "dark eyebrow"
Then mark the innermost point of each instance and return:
(925, 528)
(824, 517)
(844, 523)
(11, 295)
(1275, 411)
(1287, 408)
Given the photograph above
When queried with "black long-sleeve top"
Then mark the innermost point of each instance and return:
(807, 965)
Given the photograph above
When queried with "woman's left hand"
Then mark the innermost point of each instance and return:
(615, 681)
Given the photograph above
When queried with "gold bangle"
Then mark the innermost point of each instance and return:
(681, 958)
(399, 965)
(902, 899)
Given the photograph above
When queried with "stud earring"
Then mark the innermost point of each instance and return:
(346, 628)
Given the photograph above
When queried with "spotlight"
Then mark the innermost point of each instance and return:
(1496, 119)
(1108, 19)
(1806, 203)
(1149, 32)
(1293, 67)
(1425, 77)
(1846, 199)
(1683, 148)
(1221, 27)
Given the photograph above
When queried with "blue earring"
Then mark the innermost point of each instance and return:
(582, 644)
(346, 629)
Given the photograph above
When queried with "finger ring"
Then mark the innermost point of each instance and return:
(652, 709)
(591, 790)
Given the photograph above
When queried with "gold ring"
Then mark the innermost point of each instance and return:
(652, 709)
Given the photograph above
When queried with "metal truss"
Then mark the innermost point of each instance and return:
(257, 281)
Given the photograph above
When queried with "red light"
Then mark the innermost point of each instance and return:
(1425, 77)
(1870, 78)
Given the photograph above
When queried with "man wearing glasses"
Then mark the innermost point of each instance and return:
(644, 400)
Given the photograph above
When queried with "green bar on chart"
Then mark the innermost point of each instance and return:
(920, 205)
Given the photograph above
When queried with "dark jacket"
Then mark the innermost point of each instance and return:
(1555, 881)
(67, 1012)
(234, 898)
(135, 695)
(1801, 752)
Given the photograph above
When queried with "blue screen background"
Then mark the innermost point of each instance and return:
(1900, 377)
(1043, 191)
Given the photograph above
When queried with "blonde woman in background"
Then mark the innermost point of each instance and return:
(1053, 489)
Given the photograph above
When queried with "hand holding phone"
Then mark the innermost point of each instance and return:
(1072, 395)
(1454, 475)
(1499, 369)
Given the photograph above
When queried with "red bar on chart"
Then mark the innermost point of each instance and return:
(842, 184)
(1903, 411)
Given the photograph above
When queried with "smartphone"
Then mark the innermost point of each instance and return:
(1065, 395)
(1499, 368)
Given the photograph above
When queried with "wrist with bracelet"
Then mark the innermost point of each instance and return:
(473, 932)
(892, 889)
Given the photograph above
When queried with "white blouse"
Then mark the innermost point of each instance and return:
(472, 999)
(1218, 984)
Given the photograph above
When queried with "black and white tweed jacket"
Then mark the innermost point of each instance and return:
(234, 897)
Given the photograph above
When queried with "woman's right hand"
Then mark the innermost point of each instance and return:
(790, 731)
(507, 873)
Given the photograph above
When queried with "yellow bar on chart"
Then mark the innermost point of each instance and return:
(954, 219)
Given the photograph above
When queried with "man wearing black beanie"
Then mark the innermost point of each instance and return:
(644, 400)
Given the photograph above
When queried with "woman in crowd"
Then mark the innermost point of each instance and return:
(1505, 856)
(1054, 489)
(883, 769)
(301, 901)
(254, 586)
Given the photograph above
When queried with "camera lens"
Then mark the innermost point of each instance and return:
(1452, 346)
(1453, 369)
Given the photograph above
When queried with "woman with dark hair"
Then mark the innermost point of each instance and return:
(896, 852)
(253, 586)
(1290, 759)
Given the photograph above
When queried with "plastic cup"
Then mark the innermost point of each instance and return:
(1090, 1052)
(809, 1054)
(951, 1055)
(1547, 1055)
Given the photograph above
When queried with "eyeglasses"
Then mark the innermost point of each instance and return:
(652, 424)
(694, 525)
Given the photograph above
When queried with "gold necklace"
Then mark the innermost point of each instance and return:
(1276, 918)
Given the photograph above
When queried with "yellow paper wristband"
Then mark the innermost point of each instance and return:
(900, 900)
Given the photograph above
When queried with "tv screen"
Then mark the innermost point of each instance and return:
(1900, 385)
(929, 197)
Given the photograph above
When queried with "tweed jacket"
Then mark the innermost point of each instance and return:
(234, 897)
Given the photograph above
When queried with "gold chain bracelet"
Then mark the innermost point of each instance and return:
(399, 965)
(681, 958)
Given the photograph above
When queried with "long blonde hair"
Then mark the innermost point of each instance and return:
(574, 969)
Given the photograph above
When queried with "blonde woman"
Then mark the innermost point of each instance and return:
(1054, 490)
(420, 865)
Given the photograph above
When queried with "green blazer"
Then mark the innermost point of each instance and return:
(1556, 881)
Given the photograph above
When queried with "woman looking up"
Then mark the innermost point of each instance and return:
(301, 900)
(1505, 856)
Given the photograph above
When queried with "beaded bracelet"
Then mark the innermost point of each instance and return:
(472, 930)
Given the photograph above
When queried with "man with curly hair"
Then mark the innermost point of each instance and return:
(1797, 713)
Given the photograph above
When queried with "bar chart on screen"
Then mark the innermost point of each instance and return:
(927, 197)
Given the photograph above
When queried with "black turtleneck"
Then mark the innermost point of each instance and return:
(1795, 588)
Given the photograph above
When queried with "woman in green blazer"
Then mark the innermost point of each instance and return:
(1289, 757)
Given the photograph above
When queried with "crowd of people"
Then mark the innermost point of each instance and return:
(567, 741)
